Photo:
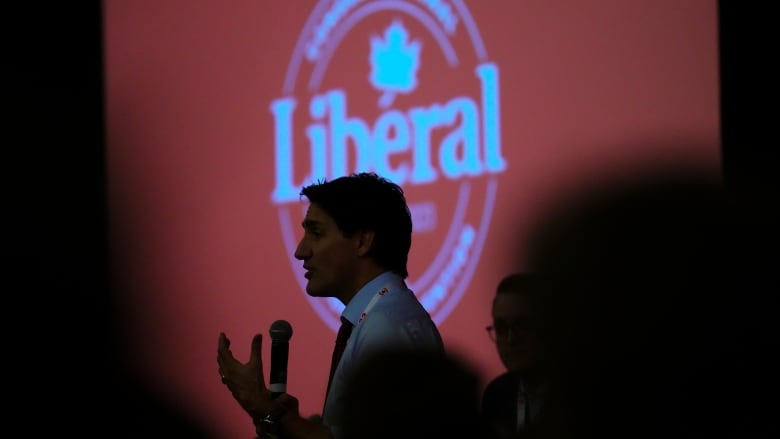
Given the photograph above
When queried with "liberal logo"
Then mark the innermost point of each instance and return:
(404, 89)
(394, 63)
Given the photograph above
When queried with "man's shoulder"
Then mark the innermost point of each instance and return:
(401, 319)
(506, 379)
(401, 303)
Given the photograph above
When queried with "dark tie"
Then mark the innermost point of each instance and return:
(341, 342)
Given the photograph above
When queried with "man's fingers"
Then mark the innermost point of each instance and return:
(223, 348)
(288, 401)
(255, 359)
(223, 343)
(257, 347)
(223, 355)
(227, 363)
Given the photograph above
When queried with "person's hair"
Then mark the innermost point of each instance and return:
(368, 202)
(528, 285)
(517, 283)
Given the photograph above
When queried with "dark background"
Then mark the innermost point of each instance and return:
(62, 349)
(747, 41)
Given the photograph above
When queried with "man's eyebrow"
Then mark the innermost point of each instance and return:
(308, 223)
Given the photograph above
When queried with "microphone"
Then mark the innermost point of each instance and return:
(280, 332)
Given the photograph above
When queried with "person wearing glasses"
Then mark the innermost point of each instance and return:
(512, 401)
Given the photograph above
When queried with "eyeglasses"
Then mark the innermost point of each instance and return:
(501, 330)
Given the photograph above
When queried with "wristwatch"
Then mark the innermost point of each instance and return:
(269, 425)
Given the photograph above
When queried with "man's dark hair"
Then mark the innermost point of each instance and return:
(528, 285)
(366, 201)
(517, 283)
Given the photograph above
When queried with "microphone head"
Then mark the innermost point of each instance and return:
(280, 330)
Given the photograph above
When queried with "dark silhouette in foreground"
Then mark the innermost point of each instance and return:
(413, 393)
(661, 310)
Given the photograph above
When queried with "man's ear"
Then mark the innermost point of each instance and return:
(364, 242)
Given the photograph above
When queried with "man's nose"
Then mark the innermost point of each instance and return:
(301, 251)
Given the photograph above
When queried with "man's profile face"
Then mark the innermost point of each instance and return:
(328, 256)
(516, 339)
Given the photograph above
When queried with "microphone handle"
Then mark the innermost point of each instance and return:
(278, 377)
